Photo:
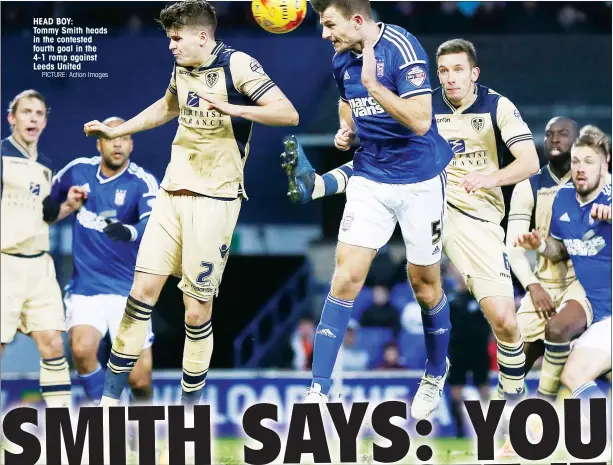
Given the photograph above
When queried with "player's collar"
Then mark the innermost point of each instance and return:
(21, 149)
(463, 107)
(587, 202)
(381, 31)
(104, 180)
(560, 181)
(211, 59)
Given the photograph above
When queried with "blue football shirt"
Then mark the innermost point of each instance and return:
(390, 152)
(101, 265)
(588, 243)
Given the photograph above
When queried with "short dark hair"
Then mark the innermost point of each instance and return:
(458, 46)
(593, 137)
(189, 13)
(347, 8)
(30, 93)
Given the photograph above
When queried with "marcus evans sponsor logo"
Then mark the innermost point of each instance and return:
(365, 106)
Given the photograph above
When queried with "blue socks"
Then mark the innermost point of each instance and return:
(93, 384)
(328, 340)
(437, 330)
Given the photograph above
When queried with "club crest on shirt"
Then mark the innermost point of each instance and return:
(120, 197)
(416, 76)
(212, 78)
(477, 123)
(380, 68)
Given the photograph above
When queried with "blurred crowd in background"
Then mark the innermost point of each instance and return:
(137, 18)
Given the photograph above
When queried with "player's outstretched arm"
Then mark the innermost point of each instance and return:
(550, 248)
(272, 109)
(413, 112)
(159, 113)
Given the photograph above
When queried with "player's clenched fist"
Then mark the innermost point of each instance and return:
(601, 212)
(343, 139)
(530, 241)
(96, 128)
(76, 197)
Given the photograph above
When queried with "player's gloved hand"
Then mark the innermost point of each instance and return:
(343, 139)
(601, 212)
(542, 301)
(117, 231)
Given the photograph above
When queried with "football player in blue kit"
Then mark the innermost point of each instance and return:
(581, 230)
(381, 72)
(106, 233)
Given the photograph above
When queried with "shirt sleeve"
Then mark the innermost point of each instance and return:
(512, 127)
(249, 76)
(61, 183)
(339, 78)
(520, 215)
(410, 64)
(172, 87)
(148, 193)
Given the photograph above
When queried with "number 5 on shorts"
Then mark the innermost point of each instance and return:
(436, 231)
(208, 270)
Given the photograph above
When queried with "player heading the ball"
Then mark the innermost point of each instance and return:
(217, 93)
(381, 72)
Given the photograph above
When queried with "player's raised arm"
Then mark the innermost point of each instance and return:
(157, 114)
(413, 106)
(272, 107)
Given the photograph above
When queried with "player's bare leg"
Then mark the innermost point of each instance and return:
(140, 378)
(428, 289)
(352, 265)
(54, 374)
(131, 336)
(570, 321)
(84, 343)
(500, 313)
(583, 366)
(533, 351)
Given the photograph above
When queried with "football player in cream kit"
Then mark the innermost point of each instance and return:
(482, 127)
(217, 93)
(555, 309)
(31, 296)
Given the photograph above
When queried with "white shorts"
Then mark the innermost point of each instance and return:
(373, 209)
(104, 312)
(597, 336)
